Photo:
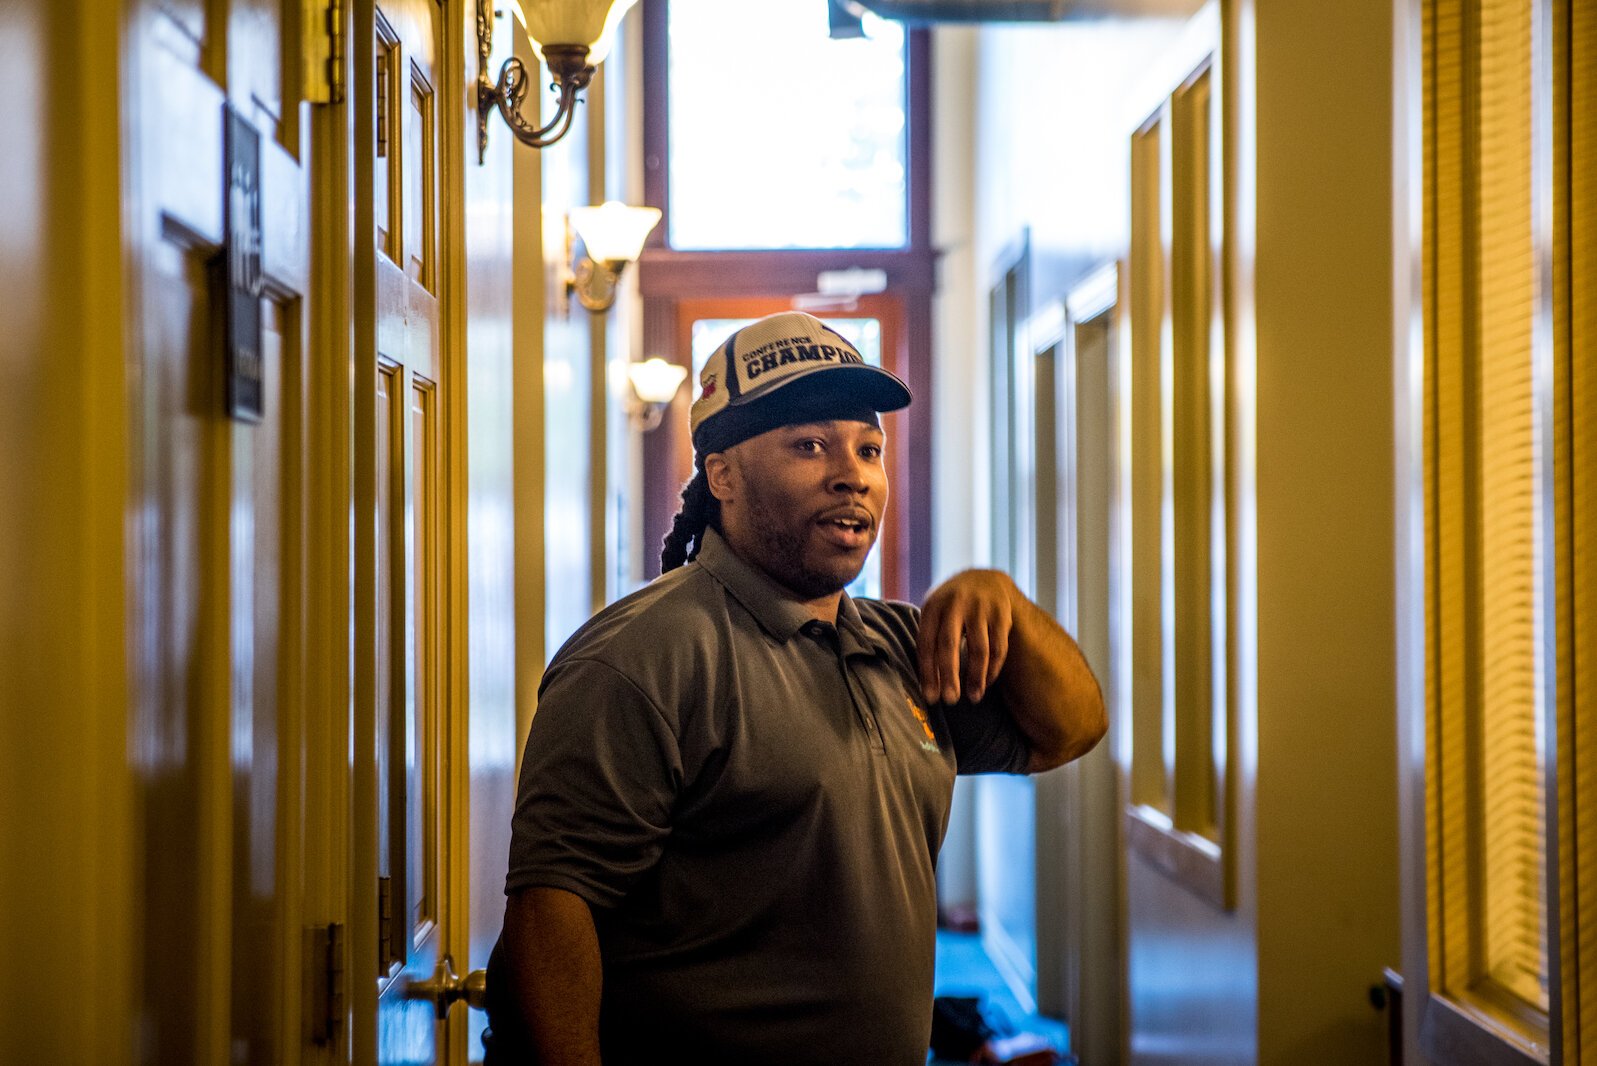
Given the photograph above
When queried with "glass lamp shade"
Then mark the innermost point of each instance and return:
(655, 380)
(589, 22)
(614, 232)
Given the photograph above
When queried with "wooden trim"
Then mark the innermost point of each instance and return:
(530, 307)
(1186, 858)
(918, 150)
(1095, 295)
(1575, 345)
(452, 773)
(916, 369)
(1411, 432)
(1466, 1036)
(665, 446)
(656, 118)
(599, 540)
(671, 274)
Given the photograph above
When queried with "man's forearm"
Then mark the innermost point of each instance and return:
(1049, 689)
(553, 954)
(977, 629)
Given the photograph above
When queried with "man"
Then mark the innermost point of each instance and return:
(738, 778)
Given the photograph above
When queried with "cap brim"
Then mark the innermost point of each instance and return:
(837, 393)
(852, 385)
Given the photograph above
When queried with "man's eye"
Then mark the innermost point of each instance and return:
(809, 445)
(871, 451)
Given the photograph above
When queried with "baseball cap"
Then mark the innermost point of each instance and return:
(783, 369)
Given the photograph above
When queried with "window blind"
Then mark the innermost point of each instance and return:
(1491, 474)
(1512, 511)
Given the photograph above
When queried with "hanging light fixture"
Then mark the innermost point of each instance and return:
(571, 37)
(612, 236)
(654, 385)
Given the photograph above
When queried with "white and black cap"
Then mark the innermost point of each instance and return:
(785, 369)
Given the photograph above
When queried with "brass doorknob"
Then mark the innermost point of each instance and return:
(443, 988)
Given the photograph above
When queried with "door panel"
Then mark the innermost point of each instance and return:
(217, 727)
(422, 733)
(404, 717)
(421, 209)
(258, 1002)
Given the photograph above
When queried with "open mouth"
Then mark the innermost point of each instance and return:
(849, 525)
(848, 529)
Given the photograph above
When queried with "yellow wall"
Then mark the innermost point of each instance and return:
(70, 815)
(1327, 735)
(65, 835)
(1283, 977)
(492, 733)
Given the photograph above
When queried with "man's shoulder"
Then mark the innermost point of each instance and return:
(887, 613)
(891, 622)
(667, 642)
(679, 610)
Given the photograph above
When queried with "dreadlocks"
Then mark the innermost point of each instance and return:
(699, 509)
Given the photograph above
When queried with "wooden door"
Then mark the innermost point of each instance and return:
(1006, 806)
(1090, 866)
(218, 524)
(401, 557)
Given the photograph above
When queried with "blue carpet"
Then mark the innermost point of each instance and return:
(963, 969)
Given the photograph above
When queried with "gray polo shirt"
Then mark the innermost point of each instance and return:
(752, 803)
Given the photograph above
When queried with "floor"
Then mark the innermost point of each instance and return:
(963, 969)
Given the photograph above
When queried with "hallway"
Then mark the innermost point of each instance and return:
(964, 970)
(1253, 340)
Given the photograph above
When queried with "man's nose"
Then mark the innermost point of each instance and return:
(848, 474)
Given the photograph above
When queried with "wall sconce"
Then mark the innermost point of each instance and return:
(612, 236)
(571, 36)
(654, 385)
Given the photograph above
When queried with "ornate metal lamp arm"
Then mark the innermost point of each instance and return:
(567, 62)
(595, 283)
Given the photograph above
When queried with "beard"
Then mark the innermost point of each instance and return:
(787, 551)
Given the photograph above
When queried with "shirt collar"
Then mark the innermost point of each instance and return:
(774, 607)
(858, 638)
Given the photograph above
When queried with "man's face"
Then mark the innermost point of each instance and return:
(805, 502)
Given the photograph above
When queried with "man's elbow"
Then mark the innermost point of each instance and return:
(1083, 723)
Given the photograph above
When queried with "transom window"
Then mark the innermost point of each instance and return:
(781, 137)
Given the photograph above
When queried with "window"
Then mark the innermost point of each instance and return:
(796, 141)
(1508, 430)
(1490, 470)
(1180, 511)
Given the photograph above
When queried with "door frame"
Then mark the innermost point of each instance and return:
(1081, 916)
(450, 80)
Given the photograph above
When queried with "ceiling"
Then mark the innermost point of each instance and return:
(926, 12)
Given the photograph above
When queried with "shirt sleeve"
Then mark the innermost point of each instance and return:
(985, 737)
(599, 780)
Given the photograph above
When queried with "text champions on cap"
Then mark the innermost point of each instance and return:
(773, 355)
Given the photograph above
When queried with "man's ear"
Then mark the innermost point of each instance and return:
(721, 475)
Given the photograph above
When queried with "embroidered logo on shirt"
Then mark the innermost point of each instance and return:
(930, 743)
